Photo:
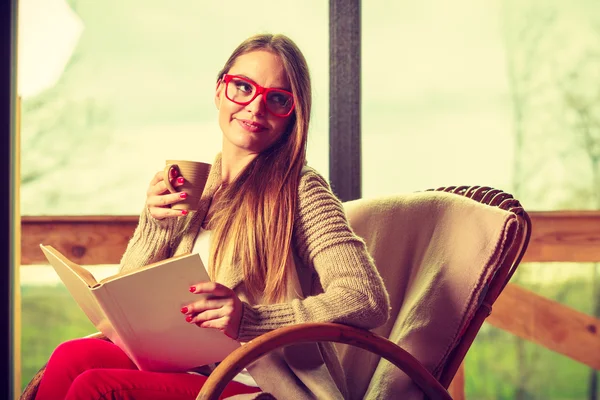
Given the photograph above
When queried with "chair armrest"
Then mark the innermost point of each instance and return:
(320, 332)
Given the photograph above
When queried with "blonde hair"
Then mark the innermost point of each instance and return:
(254, 219)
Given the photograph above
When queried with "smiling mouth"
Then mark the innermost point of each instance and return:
(251, 126)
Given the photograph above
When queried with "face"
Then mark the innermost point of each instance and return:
(250, 128)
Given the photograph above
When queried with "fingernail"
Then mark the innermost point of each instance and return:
(184, 212)
(192, 289)
(188, 318)
(180, 179)
(184, 310)
(183, 195)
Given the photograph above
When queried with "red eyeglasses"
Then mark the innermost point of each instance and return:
(242, 91)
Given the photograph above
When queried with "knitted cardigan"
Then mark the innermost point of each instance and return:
(344, 286)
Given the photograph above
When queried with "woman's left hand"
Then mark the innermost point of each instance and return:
(221, 309)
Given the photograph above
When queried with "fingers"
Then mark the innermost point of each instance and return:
(207, 317)
(159, 176)
(204, 313)
(221, 318)
(209, 304)
(165, 200)
(158, 202)
(222, 324)
(158, 186)
(219, 308)
(162, 213)
(160, 206)
(212, 288)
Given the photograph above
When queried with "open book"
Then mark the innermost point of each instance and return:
(140, 311)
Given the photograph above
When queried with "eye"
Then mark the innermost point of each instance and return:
(243, 86)
(279, 99)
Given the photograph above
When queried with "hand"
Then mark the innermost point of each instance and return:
(221, 309)
(159, 199)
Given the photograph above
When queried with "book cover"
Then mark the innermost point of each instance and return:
(140, 311)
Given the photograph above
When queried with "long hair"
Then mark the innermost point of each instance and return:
(254, 220)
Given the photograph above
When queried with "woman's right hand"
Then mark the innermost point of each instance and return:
(159, 199)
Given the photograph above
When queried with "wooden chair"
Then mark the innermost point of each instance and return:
(432, 381)
(433, 378)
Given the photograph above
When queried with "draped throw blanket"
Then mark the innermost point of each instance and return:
(435, 252)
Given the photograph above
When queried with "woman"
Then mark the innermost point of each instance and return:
(274, 237)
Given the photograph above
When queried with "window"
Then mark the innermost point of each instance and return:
(435, 98)
(501, 94)
(109, 92)
(491, 93)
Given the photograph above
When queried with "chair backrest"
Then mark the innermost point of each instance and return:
(444, 259)
(513, 253)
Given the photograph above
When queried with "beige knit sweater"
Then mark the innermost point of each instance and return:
(343, 284)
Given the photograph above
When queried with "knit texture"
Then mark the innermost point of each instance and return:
(349, 289)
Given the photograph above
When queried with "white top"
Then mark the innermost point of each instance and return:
(202, 246)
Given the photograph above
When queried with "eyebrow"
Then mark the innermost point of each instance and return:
(253, 81)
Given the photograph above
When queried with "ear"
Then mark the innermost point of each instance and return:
(218, 93)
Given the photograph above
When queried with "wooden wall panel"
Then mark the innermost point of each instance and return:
(549, 324)
(564, 236)
(557, 236)
(84, 240)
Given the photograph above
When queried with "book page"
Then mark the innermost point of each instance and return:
(144, 307)
(79, 282)
(56, 258)
(135, 271)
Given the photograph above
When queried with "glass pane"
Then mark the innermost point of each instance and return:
(496, 93)
(113, 88)
(49, 316)
(571, 284)
(500, 365)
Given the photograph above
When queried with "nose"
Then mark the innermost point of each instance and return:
(257, 106)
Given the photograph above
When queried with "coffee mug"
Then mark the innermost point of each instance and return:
(195, 175)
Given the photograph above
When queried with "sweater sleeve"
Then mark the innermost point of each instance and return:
(353, 291)
(150, 242)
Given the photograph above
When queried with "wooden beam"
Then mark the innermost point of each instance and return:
(549, 324)
(564, 236)
(557, 236)
(86, 240)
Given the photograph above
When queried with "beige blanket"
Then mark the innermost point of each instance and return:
(435, 251)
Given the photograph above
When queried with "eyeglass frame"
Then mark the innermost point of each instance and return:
(259, 90)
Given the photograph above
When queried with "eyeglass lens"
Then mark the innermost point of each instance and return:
(278, 102)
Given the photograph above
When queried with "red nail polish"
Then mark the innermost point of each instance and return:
(183, 195)
(184, 310)
(184, 212)
(188, 318)
(180, 179)
(192, 289)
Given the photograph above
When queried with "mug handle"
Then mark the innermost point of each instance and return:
(167, 176)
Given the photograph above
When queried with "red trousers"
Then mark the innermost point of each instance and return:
(94, 369)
